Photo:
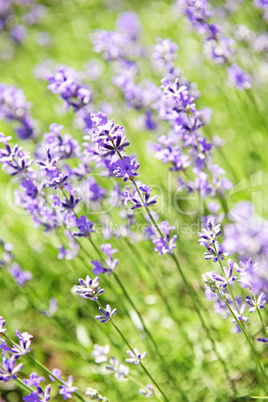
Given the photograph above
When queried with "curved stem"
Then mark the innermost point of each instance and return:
(256, 357)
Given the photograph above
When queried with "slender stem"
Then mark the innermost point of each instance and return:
(157, 285)
(143, 323)
(193, 295)
(149, 335)
(229, 288)
(260, 316)
(135, 381)
(142, 365)
(256, 357)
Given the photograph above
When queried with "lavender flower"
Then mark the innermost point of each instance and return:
(120, 371)
(210, 233)
(167, 243)
(2, 324)
(89, 288)
(110, 262)
(20, 276)
(34, 380)
(238, 77)
(258, 304)
(67, 83)
(84, 226)
(100, 353)
(9, 369)
(213, 285)
(136, 356)
(239, 315)
(229, 277)
(94, 394)
(148, 392)
(25, 342)
(106, 315)
(14, 107)
(68, 389)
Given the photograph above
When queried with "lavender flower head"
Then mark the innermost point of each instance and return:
(93, 393)
(100, 353)
(9, 369)
(120, 371)
(238, 78)
(166, 243)
(107, 314)
(2, 324)
(135, 356)
(89, 288)
(25, 342)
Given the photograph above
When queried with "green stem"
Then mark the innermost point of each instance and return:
(149, 335)
(229, 288)
(260, 316)
(256, 357)
(142, 365)
(143, 323)
(192, 294)
(195, 302)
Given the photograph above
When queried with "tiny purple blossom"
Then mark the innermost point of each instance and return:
(238, 77)
(100, 353)
(135, 356)
(84, 226)
(25, 341)
(67, 390)
(34, 380)
(2, 324)
(106, 315)
(258, 304)
(9, 369)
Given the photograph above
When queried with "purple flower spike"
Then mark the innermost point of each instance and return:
(165, 244)
(238, 78)
(34, 380)
(67, 390)
(84, 226)
(89, 288)
(258, 304)
(106, 315)
(2, 324)
(126, 167)
(25, 341)
(136, 356)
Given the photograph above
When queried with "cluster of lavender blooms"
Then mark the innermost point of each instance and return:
(15, 17)
(10, 370)
(52, 172)
(8, 261)
(106, 144)
(15, 108)
(217, 46)
(249, 275)
(183, 146)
